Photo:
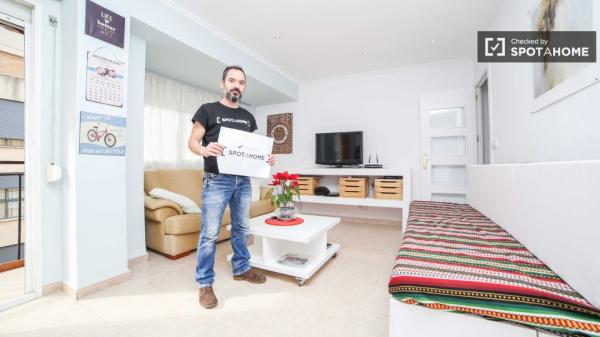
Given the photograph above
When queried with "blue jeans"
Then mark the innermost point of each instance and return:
(220, 190)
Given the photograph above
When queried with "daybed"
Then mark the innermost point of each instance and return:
(455, 259)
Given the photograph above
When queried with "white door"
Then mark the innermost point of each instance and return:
(448, 128)
(18, 282)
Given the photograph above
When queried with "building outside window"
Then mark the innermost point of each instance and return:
(12, 142)
(3, 204)
(9, 203)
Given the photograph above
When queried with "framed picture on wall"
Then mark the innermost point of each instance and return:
(102, 134)
(553, 81)
(280, 127)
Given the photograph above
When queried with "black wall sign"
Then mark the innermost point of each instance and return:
(104, 24)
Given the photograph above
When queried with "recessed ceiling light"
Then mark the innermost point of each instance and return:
(277, 37)
(434, 41)
(365, 52)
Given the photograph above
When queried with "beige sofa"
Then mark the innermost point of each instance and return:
(171, 232)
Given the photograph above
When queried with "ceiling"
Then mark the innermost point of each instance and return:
(313, 39)
(166, 55)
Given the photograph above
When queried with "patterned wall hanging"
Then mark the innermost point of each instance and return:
(280, 128)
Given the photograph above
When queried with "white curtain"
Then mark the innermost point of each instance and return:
(169, 108)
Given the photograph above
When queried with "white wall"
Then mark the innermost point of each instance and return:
(50, 195)
(66, 131)
(566, 130)
(136, 240)
(100, 181)
(523, 199)
(383, 104)
(88, 231)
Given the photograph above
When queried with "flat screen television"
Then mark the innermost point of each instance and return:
(339, 148)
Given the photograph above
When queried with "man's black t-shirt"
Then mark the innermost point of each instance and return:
(214, 115)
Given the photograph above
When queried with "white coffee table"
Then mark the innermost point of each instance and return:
(308, 240)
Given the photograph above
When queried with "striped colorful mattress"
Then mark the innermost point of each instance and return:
(453, 258)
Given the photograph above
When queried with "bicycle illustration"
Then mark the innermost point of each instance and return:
(106, 72)
(94, 135)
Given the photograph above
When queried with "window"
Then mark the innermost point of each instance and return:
(9, 203)
(169, 108)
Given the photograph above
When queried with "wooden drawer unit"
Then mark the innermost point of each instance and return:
(388, 189)
(354, 187)
(307, 185)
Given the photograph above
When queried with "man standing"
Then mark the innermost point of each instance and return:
(223, 189)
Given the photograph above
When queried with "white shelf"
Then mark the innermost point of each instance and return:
(357, 172)
(387, 203)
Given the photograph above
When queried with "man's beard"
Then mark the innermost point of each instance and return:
(234, 98)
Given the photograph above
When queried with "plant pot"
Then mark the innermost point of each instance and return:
(287, 211)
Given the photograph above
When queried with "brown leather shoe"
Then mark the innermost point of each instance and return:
(252, 276)
(207, 298)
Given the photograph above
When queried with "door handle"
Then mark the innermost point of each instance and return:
(424, 161)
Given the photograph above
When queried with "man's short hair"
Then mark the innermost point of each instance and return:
(228, 68)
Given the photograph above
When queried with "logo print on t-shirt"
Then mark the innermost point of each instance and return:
(231, 120)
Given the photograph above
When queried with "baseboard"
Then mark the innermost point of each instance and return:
(137, 260)
(94, 288)
(72, 293)
(51, 288)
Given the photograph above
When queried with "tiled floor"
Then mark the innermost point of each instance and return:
(347, 297)
(12, 284)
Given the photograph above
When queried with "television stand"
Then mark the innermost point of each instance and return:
(360, 172)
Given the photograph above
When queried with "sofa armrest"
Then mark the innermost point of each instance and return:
(156, 203)
(266, 192)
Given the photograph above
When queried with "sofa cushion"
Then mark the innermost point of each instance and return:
(187, 182)
(187, 205)
(160, 214)
(182, 224)
(190, 223)
(155, 204)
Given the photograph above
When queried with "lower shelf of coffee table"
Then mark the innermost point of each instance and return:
(303, 272)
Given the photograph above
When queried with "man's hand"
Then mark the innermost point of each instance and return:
(213, 149)
(271, 160)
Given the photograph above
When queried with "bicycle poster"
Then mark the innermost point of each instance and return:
(104, 78)
(101, 134)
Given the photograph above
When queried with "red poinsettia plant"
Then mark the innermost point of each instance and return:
(286, 186)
